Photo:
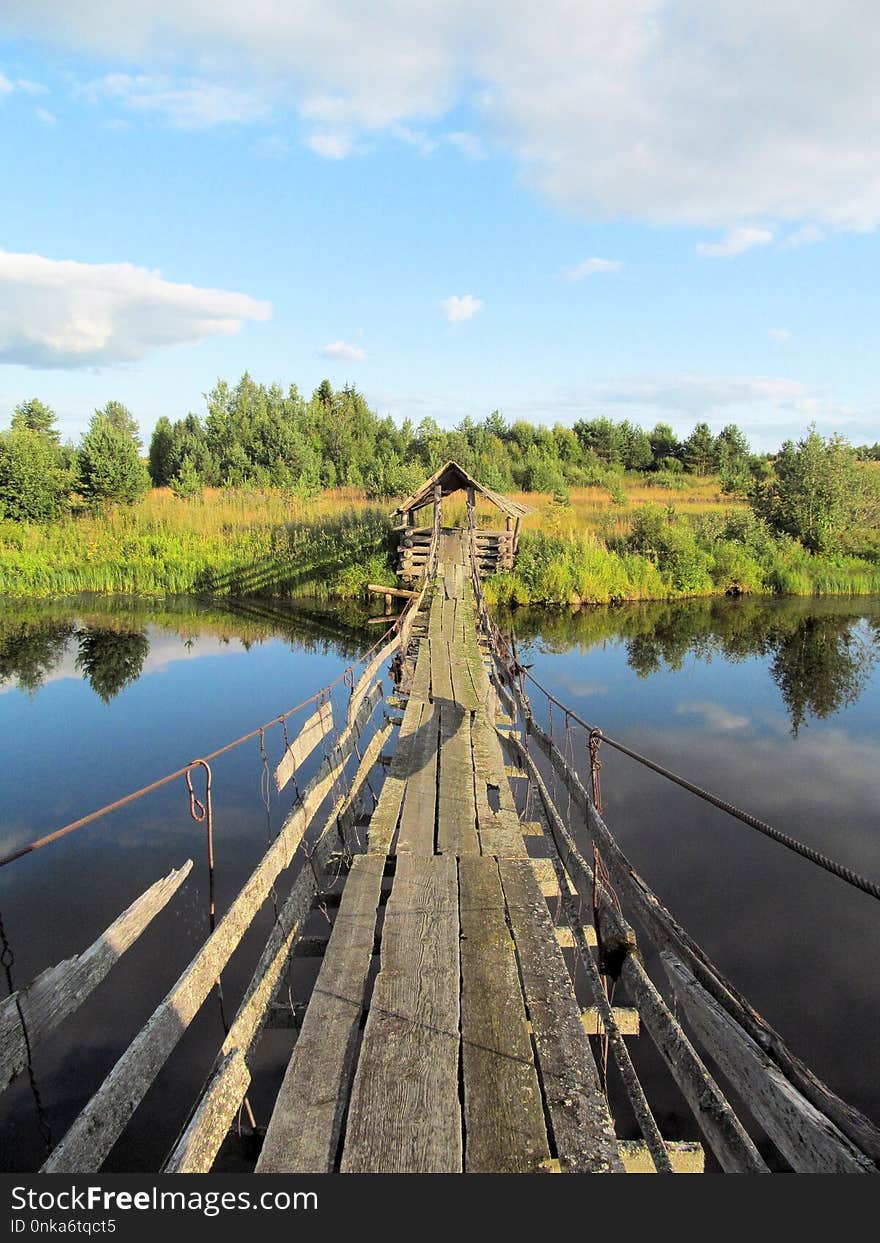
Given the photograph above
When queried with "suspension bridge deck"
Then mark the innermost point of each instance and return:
(473, 1055)
(445, 1031)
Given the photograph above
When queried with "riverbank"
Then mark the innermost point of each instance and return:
(649, 544)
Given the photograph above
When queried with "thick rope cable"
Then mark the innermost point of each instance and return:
(848, 875)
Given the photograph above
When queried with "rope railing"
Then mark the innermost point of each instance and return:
(848, 875)
(346, 677)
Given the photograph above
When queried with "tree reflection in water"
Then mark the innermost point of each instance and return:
(821, 654)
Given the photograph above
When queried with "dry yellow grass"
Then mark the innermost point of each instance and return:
(593, 507)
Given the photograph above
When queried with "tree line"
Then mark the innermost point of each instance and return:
(265, 436)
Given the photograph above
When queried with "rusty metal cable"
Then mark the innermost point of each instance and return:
(848, 875)
(347, 673)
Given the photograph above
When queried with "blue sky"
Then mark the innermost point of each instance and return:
(642, 208)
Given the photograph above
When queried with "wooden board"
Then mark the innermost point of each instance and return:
(418, 818)
(60, 990)
(441, 674)
(582, 1127)
(304, 1130)
(456, 809)
(318, 726)
(404, 1115)
(503, 1114)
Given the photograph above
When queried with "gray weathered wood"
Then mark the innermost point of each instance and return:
(666, 933)
(197, 1147)
(304, 1130)
(404, 1115)
(582, 1126)
(805, 1137)
(318, 726)
(503, 1115)
(60, 990)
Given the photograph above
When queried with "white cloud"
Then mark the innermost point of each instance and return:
(342, 350)
(331, 145)
(590, 266)
(807, 235)
(47, 117)
(779, 334)
(61, 313)
(715, 716)
(189, 104)
(735, 242)
(6, 87)
(469, 144)
(456, 309)
(706, 115)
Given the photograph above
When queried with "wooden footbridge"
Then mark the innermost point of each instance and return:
(480, 972)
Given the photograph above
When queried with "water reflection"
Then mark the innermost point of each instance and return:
(821, 654)
(107, 642)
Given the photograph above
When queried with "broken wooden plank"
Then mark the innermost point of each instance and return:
(101, 1122)
(808, 1140)
(404, 1115)
(59, 991)
(503, 1115)
(304, 1130)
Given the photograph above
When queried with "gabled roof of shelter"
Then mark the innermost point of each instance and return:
(452, 478)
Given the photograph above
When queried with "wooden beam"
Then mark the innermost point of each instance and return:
(59, 991)
(102, 1121)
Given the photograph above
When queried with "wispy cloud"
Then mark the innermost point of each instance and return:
(590, 267)
(61, 313)
(780, 334)
(191, 103)
(342, 350)
(6, 87)
(807, 235)
(47, 117)
(330, 144)
(456, 309)
(31, 88)
(715, 716)
(469, 144)
(735, 242)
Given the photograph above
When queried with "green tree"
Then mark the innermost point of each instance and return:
(120, 417)
(817, 491)
(110, 468)
(699, 450)
(37, 417)
(161, 443)
(111, 659)
(34, 483)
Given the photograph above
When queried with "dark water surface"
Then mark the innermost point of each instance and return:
(773, 704)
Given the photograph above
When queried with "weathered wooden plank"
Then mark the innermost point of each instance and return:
(419, 814)
(421, 683)
(456, 808)
(404, 1115)
(101, 1122)
(57, 992)
(582, 1127)
(221, 1099)
(362, 687)
(318, 726)
(808, 1140)
(441, 677)
(383, 822)
(218, 1103)
(667, 933)
(503, 1115)
(304, 1130)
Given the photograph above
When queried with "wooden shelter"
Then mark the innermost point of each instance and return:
(496, 548)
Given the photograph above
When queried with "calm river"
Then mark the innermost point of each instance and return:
(775, 705)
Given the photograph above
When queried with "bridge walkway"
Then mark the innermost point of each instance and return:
(466, 1050)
